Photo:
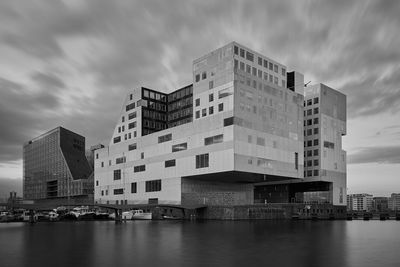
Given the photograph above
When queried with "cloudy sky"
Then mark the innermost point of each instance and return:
(71, 63)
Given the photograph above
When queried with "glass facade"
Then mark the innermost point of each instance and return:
(55, 166)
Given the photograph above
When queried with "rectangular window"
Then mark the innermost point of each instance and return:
(132, 146)
(204, 75)
(249, 56)
(283, 72)
(309, 112)
(132, 125)
(165, 138)
(316, 162)
(309, 102)
(248, 68)
(153, 186)
(309, 153)
(309, 143)
(316, 142)
(204, 112)
(132, 115)
(241, 65)
(228, 121)
(271, 66)
(329, 145)
(213, 139)
(140, 168)
(179, 147)
(211, 97)
(169, 163)
(316, 110)
(120, 160)
(102, 164)
(220, 107)
(236, 50)
(133, 188)
(117, 174)
(197, 79)
(316, 100)
(309, 131)
(130, 106)
(260, 74)
(315, 152)
(202, 161)
(97, 183)
(242, 52)
(260, 141)
(309, 122)
(265, 64)
(260, 61)
(211, 110)
(197, 102)
(315, 120)
(119, 191)
(276, 68)
(117, 139)
(296, 160)
(210, 84)
(316, 173)
(197, 114)
(316, 130)
(254, 71)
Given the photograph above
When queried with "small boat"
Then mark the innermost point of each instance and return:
(82, 213)
(141, 215)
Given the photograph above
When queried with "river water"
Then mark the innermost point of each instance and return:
(201, 243)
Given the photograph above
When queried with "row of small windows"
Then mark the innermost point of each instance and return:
(310, 111)
(311, 131)
(165, 138)
(154, 95)
(310, 153)
(310, 143)
(262, 62)
(310, 101)
(214, 139)
(309, 163)
(311, 122)
(210, 111)
(257, 73)
(309, 173)
(150, 186)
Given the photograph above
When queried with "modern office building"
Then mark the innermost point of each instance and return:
(230, 138)
(55, 167)
(394, 202)
(359, 202)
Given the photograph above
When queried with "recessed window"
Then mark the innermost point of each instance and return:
(204, 112)
(179, 147)
(132, 146)
(140, 168)
(132, 115)
(153, 186)
(213, 139)
(220, 107)
(211, 110)
(130, 106)
(228, 121)
(119, 160)
(316, 142)
(210, 84)
(242, 52)
(316, 130)
(236, 50)
(204, 75)
(117, 174)
(249, 56)
(202, 161)
(197, 114)
(315, 120)
(316, 110)
(133, 188)
(316, 173)
(315, 152)
(260, 61)
(309, 102)
(197, 102)
(316, 100)
(197, 79)
(132, 125)
(210, 97)
(329, 145)
(165, 138)
(97, 183)
(309, 112)
(117, 139)
(260, 141)
(169, 163)
(119, 191)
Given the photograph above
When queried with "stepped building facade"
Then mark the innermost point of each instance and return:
(233, 137)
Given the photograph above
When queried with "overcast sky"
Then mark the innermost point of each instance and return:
(70, 63)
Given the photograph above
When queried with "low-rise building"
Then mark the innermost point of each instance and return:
(394, 202)
(359, 202)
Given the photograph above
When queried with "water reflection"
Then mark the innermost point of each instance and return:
(222, 243)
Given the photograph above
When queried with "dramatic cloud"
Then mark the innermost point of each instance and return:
(71, 63)
(386, 154)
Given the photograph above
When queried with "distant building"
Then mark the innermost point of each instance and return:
(359, 202)
(380, 204)
(394, 202)
(55, 167)
(14, 199)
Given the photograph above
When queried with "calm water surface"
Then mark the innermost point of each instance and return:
(209, 243)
